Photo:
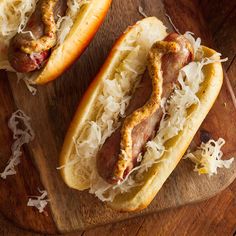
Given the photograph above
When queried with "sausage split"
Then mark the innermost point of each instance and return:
(29, 49)
(108, 158)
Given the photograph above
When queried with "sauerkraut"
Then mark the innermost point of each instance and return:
(19, 124)
(40, 202)
(141, 12)
(14, 15)
(176, 108)
(115, 95)
(173, 121)
(27, 78)
(207, 157)
(117, 90)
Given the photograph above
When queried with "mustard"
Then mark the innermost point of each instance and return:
(159, 49)
(48, 40)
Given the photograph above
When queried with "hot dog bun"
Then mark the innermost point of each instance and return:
(84, 110)
(82, 32)
(76, 175)
(86, 23)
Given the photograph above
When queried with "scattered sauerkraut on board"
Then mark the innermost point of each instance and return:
(207, 157)
(40, 202)
(27, 80)
(19, 123)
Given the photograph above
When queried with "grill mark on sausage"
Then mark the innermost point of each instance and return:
(107, 157)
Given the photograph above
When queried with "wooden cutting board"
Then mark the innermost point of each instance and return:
(52, 109)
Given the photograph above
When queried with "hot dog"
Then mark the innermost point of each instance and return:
(55, 29)
(107, 158)
(124, 158)
(32, 60)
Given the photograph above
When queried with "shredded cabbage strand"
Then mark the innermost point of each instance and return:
(21, 135)
(173, 121)
(39, 202)
(207, 157)
(14, 15)
(65, 23)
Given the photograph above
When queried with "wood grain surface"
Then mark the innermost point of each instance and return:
(51, 106)
(214, 217)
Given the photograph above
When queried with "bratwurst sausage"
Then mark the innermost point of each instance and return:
(30, 48)
(108, 155)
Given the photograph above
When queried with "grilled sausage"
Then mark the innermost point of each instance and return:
(25, 62)
(107, 157)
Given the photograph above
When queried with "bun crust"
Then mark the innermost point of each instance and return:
(82, 32)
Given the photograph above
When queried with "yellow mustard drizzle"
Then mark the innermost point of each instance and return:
(159, 49)
(48, 40)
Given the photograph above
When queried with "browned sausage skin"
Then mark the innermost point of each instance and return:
(108, 156)
(27, 54)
